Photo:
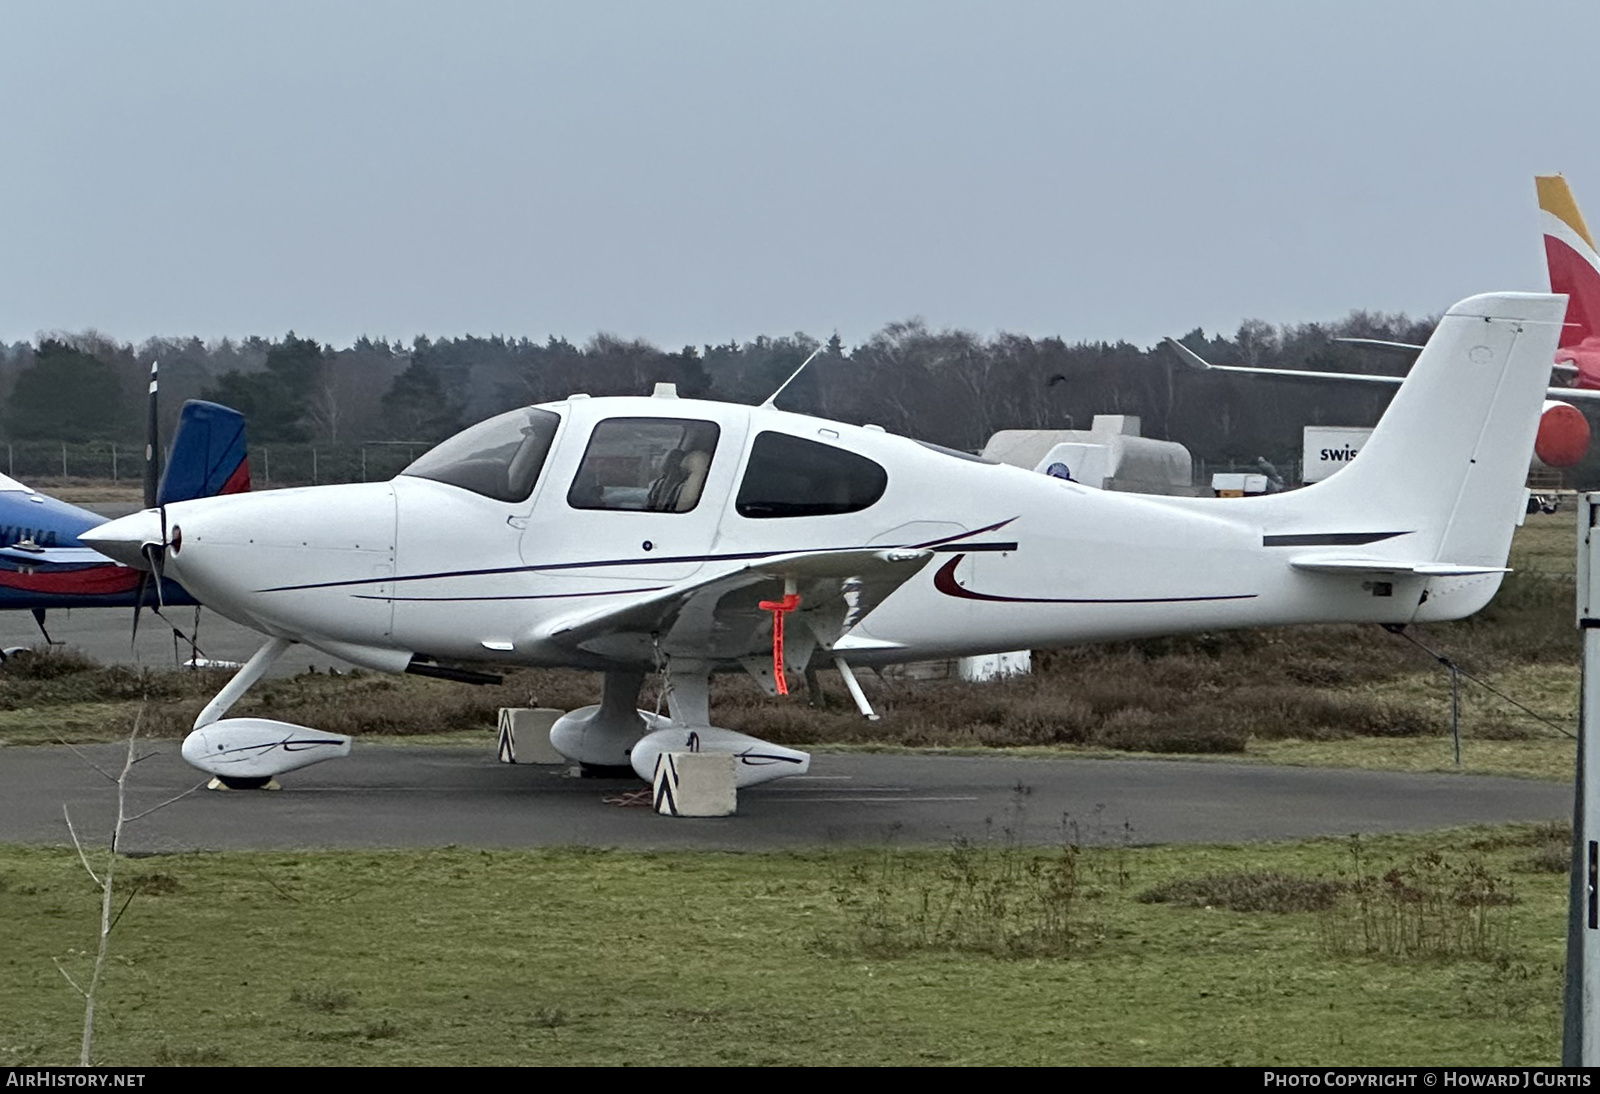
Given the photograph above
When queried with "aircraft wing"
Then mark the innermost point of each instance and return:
(1200, 364)
(719, 617)
(1571, 393)
(1192, 359)
(54, 556)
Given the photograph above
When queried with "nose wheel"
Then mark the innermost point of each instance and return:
(249, 753)
(221, 782)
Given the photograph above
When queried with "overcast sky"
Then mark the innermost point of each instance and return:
(699, 172)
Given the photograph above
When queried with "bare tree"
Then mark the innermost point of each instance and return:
(106, 879)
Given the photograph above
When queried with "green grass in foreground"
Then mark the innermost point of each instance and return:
(605, 957)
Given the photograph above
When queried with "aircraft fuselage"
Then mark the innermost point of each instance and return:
(380, 572)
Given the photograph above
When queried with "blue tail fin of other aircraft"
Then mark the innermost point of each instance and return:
(208, 454)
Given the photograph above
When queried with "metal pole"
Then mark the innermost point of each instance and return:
(313, 467)
(63, 459)
(1580, 1043)
(1455, 709)
(113, 464)
(266, 467)
(363, 463)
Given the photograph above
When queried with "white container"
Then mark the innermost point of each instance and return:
(1327, 448)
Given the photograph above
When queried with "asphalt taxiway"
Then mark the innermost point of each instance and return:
(387, 795)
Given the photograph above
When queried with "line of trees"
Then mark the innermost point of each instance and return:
(951, 387)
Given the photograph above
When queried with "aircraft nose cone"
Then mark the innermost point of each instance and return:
(124, 539)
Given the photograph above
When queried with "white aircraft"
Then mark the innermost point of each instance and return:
(656, 534)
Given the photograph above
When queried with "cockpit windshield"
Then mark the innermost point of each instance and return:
(500, 458)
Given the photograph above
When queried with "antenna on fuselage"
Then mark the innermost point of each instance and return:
(771, 399)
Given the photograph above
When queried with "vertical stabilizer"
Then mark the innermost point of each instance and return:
(208, 454)
(1442, 477)
(1574, 264)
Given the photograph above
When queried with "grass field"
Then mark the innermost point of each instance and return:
(1449, 951)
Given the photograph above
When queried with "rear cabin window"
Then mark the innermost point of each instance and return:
(655, 465)
(500, 458)
(791, 477)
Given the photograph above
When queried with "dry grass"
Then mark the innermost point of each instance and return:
(1252, 891)
(357, 703)
(1433, 906)
(128, 491)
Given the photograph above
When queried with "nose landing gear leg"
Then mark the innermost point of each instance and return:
(247, 753)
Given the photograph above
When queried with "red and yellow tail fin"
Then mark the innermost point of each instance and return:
(1574, 264)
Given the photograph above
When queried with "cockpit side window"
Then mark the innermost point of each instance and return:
(793, 477)
(500, 458)
(655, 465)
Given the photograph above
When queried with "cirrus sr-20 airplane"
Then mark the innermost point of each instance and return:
(639, 535)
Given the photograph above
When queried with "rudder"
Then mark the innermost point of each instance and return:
(208, 455)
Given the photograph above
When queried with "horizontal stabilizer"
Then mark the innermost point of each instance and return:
(1386, 566)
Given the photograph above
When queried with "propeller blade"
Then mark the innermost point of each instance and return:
(153, 554)
(38, 617)
(155, 557)
(152, 446)
(138, 606)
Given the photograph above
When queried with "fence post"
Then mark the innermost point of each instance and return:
(63, 459)
(113, 463)
(266, 467)
(363, 463)
(313, 466)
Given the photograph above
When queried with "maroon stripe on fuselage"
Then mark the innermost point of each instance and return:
(945, 582)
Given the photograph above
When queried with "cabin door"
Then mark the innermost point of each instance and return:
(637, 506)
